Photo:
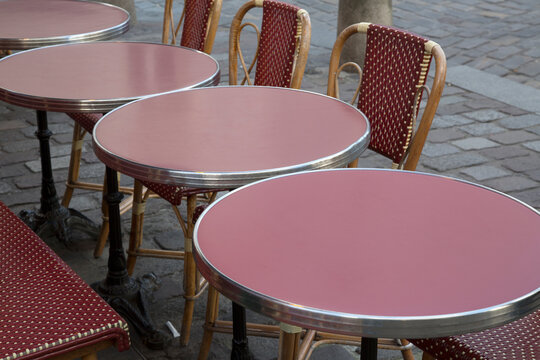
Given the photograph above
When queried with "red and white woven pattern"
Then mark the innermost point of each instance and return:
(196, 17)
(277, 45)
(393, 70)
(45, 308)
(173, 193)
(517, 340)
(87, 121)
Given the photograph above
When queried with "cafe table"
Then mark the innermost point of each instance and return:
(226, 137)
(97, 77)
(373, 253)
(27, 24)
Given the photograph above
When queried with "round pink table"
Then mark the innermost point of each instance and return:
(225, 137)
(98, 77)
(349, 238)
(26, 24)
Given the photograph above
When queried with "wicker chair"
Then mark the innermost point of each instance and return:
(389, 93)
(279, 59)
(199, 19)
(519, 339)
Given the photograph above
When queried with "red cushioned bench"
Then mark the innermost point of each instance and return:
(46, 309)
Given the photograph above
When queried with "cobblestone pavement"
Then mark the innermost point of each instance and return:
(487, 130)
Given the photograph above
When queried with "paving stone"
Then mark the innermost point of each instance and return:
(511, 183)
(530, 69)
(13, 170)
(447, 121)
(505, 52)
(444, 135)
(4, 187)
(484, 115)
(524, 163)
(479, 129)
(454, 161)
(485, 172)
(530, 197)
(57, 163)
(474, 143)
(484, 103)
(453, 99)
(28, 181)
(535, 129)
(433, 150)
(19, 146)
(170, 240)
(533, 145)
(497, 70)
(520, 122)
(12, 124)
(513, 137)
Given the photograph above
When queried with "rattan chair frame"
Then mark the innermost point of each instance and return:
(236, 55)
(418, 139)
(171, 29)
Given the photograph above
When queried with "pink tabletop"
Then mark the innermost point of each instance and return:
(229, 136)
(25, 24)
(376, 253)
(97, 77)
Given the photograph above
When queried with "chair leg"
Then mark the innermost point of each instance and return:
(289, 340)
(190, 273)
(74, 163)
(212, 308)
(104, 233)
(426, 356)
(407, 353)
(137, 214)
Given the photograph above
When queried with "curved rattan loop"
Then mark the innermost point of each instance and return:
(336, 79)
(245, 68)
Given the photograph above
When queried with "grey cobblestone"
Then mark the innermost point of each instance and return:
(433, 150)
(520, 122)
(511, 183)
(513, 137)
(485, 172)
(474, 143)
(533, 145)
(454, 161)
(479, 129)
(525, 163)
(505, 152)
(484, 115)
(57, 163)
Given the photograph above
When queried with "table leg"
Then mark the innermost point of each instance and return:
(52, 216)
(123, 293)
(368, 349)
(240, 349)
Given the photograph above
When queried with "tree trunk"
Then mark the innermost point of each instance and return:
(355, 11)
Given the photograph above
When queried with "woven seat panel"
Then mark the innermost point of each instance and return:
(173, 193)
(517, 340)
(390, 76)
(277, 44)
(196, 17)
(87, 121)
(45, 307)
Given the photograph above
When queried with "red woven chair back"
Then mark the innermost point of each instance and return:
(197, 13)
(396, 65)
(277, 44)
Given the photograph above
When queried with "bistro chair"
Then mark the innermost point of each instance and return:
(389, 93)
(519, 339)
(281, 56)
(198, 22)
(279, 59)
(391, 87)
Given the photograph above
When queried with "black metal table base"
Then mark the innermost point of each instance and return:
(126, 295)
(240, 348)
(52, 218)
(368, 349)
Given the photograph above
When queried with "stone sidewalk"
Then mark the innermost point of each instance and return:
(487, 130)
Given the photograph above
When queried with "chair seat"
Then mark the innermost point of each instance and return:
(46, 309)
(517, 340)
(87, 121)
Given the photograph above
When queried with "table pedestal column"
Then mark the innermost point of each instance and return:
(240, 349)
(126, 295)
(52, 216)
(368, 349)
